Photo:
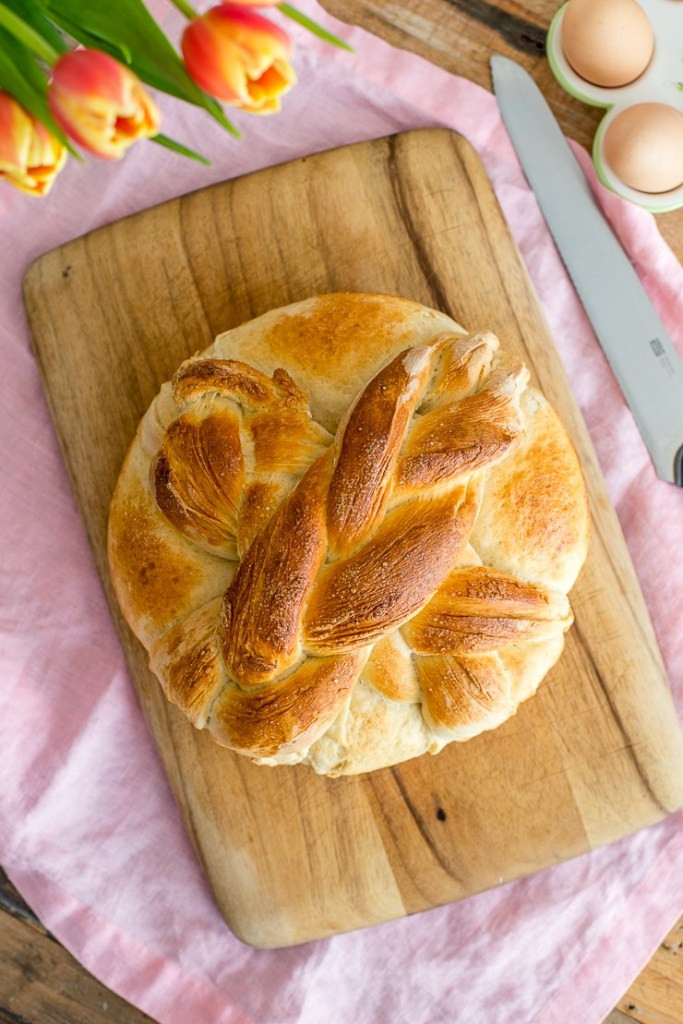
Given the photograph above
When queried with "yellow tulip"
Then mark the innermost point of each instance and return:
(30, 157)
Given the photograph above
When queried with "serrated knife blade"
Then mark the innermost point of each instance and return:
(633, 338)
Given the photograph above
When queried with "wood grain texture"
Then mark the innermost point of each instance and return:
(461, 36)
(41, 983)
(597, 754)
(656, 996)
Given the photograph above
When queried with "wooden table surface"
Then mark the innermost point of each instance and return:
(39, 981)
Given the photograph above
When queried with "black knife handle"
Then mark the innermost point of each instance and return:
(678, 467)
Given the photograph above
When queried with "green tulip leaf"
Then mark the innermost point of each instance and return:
(32, 13)
(94, 41)
(126, 28)
(177, 147)
(302, 19)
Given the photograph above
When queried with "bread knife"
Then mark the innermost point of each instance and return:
(638, 349)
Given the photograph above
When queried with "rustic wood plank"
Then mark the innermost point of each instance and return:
(597, 754)
(461, 35)
(41, 982)
(616, 1017)
(11, 902)
(656, 996)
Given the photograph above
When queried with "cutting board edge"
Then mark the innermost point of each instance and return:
(59, 249)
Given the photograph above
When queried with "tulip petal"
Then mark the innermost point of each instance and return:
(100, 103)
(30, 157)
(265, 91)
(240, 57)
(15, 132)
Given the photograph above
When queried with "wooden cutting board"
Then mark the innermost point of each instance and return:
(595, 755)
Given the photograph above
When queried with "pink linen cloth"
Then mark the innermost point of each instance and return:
(89, 832)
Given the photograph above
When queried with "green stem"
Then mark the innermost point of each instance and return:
(302, 19)
(185, 8)
(27, 35)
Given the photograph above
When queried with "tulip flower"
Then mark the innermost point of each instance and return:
(239, 57)
(100, 103)
(30, 157)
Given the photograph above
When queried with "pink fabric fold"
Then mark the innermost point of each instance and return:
(89, 832)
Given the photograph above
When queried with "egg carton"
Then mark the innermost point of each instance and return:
(661, 82)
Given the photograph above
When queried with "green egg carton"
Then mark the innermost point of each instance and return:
(661, 82)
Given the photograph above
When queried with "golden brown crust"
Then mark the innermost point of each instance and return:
(158, 575)
(460, 437)
(186, 658)
(369, 448)
(390, 669)
(235, 379)
(333, 345)
(260, 501)
(464, 695)
(263, 604)
(481, 609)
(360, 599)
(462, 369)
(198, 478)
(285, 440)
(348, 622)
(287, 715)
(537, 532)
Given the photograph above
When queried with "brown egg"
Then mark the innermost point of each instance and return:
(607, 42)
(644, 147)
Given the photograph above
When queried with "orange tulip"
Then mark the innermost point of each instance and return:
(30, 157)
(100, 103)
(240, 57)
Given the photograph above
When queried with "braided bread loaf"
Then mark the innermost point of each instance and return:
(346, 532)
